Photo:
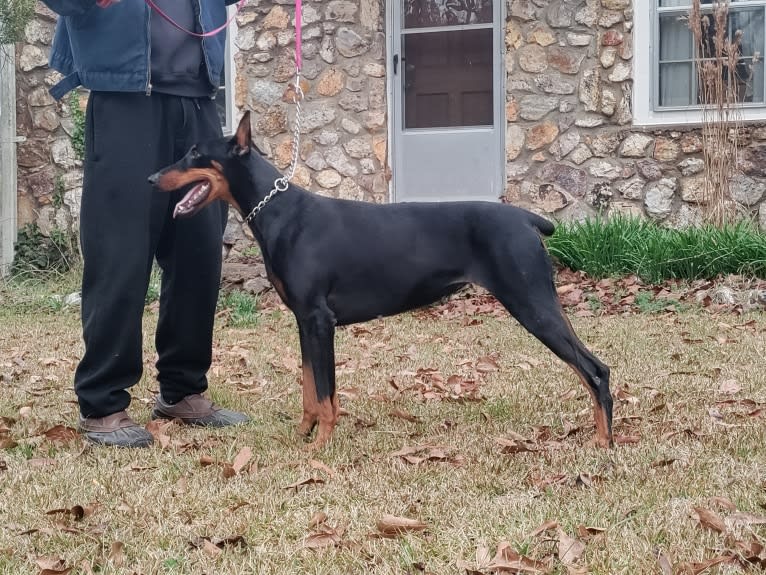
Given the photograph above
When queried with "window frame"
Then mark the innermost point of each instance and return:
(230, 71)
(646, 74)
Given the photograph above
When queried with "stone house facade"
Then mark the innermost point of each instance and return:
(595, 109)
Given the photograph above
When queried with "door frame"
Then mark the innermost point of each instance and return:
(392, 36)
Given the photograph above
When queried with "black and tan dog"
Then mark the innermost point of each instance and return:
(338, 262)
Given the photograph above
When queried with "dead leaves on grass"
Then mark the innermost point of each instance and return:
(567, 551)
(743, 553)
(416, 455)
(52, 566)
(392, 526)
(215, 547)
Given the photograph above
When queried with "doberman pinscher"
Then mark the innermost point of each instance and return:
(338, 262)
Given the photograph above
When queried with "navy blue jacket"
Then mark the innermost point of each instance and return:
(108, 49)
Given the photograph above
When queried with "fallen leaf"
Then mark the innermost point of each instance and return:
(506, 560)
(317, 519)
(547, 526)
(117, 554)
(304, 482)
(77, 512)
(405, 416)
(665, 565)
(61, 434)
(627, 439)
(210, 548)
(6, 442)
(723, 502)
(709, 519)
(486, 364)
(569, 549)
(160, 430)
(586, 532)
(512, 446)
(242, 458)
(730, 387)
(697, 568)
(52, 566)
(325, 537)
(389, 525)
(206, 460)
(215, 547)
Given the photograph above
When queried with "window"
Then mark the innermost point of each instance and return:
(224, 99)
(666, 89)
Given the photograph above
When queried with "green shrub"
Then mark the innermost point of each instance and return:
(37, 253)
(621, 246)
(14, 17)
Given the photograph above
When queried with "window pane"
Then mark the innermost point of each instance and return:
(220, 98)
(750, 81)
(448, 79)
(750, 24)
(675, 38)
(427, 13)
(676, 84)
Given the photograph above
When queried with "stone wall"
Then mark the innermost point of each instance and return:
(343, 147)
(50, 174)
(571, 149)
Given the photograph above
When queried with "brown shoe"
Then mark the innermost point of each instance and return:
(196, 409)
(117, 429)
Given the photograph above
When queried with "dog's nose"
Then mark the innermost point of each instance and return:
(153, 178)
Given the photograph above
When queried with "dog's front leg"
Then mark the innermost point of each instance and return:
(319, 399)
(310, 404)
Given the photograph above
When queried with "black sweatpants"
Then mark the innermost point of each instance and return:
(124, 225)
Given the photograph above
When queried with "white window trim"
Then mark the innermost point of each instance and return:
(231, 71)
(644, 113)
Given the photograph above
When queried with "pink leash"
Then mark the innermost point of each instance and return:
(298, 38)
(240, 4)
(173, 23)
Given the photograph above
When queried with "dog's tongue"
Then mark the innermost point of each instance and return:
(193, 198)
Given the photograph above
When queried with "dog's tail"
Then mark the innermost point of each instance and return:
(545, 227)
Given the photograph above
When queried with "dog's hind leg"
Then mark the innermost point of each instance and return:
(318, 345)
(522, 279)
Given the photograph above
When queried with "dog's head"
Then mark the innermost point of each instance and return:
(212, 168)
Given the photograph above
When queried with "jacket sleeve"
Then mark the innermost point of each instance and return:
(69, 7)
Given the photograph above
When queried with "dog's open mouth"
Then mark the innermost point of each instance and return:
(194, 200)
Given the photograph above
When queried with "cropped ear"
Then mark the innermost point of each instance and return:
(243, 138)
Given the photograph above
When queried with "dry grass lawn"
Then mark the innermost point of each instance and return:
(427, 403)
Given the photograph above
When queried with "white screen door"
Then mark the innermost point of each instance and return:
(448, 100)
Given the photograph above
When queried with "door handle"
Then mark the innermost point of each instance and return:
(396, 62)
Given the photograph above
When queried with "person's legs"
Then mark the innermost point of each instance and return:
(189, 253)
(125, 142)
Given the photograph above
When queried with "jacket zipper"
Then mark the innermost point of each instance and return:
(149, 50)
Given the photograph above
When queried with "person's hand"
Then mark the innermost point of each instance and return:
(105, 3)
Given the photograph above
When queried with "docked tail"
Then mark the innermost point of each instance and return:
(545, 227)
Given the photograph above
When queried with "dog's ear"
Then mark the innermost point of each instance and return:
(242, 139)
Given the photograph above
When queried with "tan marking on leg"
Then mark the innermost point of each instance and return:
(310, 406)
(327, 420)
(603, 433)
